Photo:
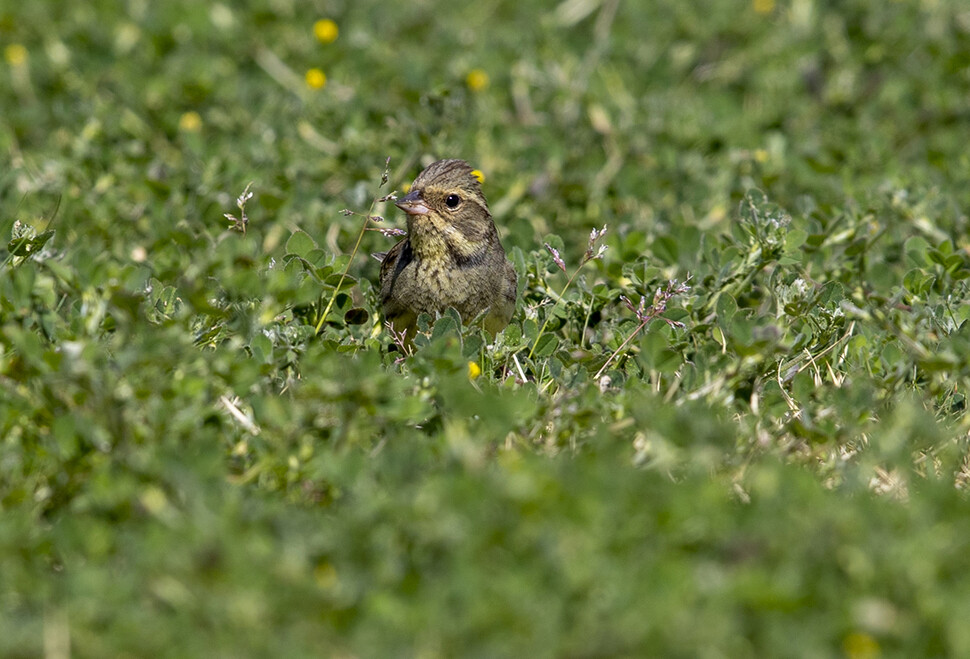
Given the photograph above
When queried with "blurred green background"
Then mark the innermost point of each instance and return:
(188, 469)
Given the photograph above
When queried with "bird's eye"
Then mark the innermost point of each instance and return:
(452, 201)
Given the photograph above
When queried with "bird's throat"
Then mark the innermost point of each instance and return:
(427, 241)
(435, 240)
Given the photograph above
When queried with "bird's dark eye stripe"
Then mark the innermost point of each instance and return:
(452, 201)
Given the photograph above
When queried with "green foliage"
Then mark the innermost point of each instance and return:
(740, 430)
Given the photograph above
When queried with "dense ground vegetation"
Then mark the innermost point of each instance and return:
(209, 447)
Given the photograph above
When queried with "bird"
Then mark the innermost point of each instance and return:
(451, 256)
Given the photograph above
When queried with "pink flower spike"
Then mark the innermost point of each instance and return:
(556, 257)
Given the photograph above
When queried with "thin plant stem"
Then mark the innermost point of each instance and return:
(549, 315)
(360, 236)
(622, 346)
(589, 312)
(589, 255)
(343, 275)
(645, 315)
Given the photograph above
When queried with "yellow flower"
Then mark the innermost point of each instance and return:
(325, 575)
(153, 499)
(761, 155)
(477, 173)
(316, 79)
(477, 80)
(325, 30)
(763, 6)
(859, 645)
(15, 54)
(190, 122)
(474, 370)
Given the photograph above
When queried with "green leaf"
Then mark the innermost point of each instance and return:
(917, 249)
(356, 316)
(512, 335)
(917, 281)
(726, 308)
(794, 240)
(530, 329)
(940, 361)
(546, 346)
(262, 348)
(29, 244)
(444, 326)
(300, 243)
(832, 293)
(655, 352)
(333, 280)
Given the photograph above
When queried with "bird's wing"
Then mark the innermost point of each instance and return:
(389, 262)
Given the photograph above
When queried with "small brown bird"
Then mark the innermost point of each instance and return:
(451, 257)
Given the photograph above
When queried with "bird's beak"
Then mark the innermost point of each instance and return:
(412, 203)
